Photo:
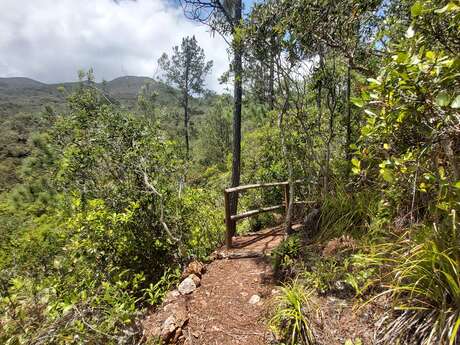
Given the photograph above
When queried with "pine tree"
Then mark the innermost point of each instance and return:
(186, 70)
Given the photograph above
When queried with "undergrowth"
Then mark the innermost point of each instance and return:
(291, 319)
(424, 281)
(343, 213)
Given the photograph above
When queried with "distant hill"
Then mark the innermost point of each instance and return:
(127, 88)
(19, 83)
(27, 95)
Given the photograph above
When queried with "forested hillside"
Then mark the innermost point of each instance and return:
(109, 190)
(23, 103)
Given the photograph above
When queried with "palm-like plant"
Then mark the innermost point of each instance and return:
(426, 291)
(291, 319)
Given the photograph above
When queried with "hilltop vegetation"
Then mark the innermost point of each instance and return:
(25, 102)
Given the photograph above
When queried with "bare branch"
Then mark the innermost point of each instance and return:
(160, 196)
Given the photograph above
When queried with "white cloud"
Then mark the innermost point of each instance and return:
(50, 40)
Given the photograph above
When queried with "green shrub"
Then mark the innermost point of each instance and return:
(284, 256)
(111, 236)
(345, 213)
(326, 274)
(200, 222)
(291, 320)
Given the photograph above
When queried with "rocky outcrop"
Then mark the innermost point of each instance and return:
(168, 322)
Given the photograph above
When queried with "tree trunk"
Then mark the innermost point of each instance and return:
(348, 124)
(327, 169)
(237, 95)
(319, 95)
(271, 81)
(286, 156)
(186, 113)
(186, 125)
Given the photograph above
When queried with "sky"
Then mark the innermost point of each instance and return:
(50, 40)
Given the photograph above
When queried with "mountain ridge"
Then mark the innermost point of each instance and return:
(14, 81)
(22, 94)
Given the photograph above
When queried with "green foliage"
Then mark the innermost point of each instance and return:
(186, 69)
(291, 320)
(202, 218)
(262, 151)
(156, 292)
(28, 105)
(326, 274)
(344, 213)
(214, 135)
(409, 147)
(340, 273)
(262, 162)
(285, 254)
(423, 279)
(31, 312)
(99, 229)
(66, 285)
(362, 277)
(147, 100)
(103, 220)
(411, 136)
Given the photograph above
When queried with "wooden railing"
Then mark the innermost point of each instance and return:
(231, 219)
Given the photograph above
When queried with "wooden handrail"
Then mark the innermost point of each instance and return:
(255, 212)
(231, 219)
(258, 185)
(251, 186)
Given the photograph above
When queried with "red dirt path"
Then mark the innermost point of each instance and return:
(219, 312)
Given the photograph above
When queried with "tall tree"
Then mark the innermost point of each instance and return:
(225, 17)
(186, 70)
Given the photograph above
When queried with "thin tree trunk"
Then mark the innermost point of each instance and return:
(281, 126)
(450, 154)
(186, 125)
(271, 81)
(186, 113)
(348, 124)
(327, 169)
(331, 102)
(331, 106)
(319, 95)
(237, 95)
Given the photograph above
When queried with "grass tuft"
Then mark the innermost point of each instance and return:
(425, 285)
(345, 213)
(291, 321)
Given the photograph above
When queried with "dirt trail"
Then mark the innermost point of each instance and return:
(219, 312)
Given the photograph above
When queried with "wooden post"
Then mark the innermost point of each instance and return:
(286, 199)
(228, 220)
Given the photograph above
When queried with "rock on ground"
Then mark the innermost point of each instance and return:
(254, 299)
(189, 284)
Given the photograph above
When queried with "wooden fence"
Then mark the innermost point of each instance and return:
(231, 219)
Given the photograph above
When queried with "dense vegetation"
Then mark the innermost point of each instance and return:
(22, 100)
(359, 100)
